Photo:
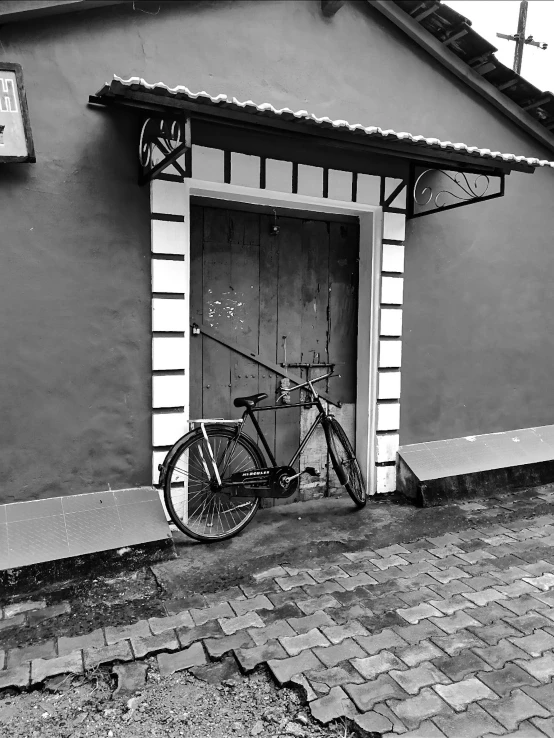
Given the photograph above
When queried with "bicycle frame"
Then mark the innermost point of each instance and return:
(249, 412)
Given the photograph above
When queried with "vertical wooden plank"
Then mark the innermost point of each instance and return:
(242, 300)
(315, 292)
(314, 306)
(289, 327)
(216, 358)
(196, 309)
(267, 341)
(343, 308)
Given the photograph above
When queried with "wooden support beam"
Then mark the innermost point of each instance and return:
(485, 68)
(459, 67)
(330, 7)
(507, 85)
(455, 36)
(537, 103)
(427, 12)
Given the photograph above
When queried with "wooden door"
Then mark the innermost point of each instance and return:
(291, 298)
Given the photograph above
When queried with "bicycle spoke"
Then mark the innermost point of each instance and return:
(206, 507)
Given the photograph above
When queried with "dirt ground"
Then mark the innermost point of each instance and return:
(168, 707)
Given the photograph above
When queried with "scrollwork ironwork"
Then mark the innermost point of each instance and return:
(163, 136)
(463, 189)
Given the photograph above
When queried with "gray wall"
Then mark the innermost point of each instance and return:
(74, 277)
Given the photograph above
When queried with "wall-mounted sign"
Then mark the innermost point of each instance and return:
(16, 142)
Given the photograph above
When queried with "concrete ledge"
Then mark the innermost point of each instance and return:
(41, 531)
(31, 578)
(433, 473)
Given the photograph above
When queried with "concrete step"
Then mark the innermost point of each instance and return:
(434, 472)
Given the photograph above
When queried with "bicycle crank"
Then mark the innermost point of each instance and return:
(274, 482)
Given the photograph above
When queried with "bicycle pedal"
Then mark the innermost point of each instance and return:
(312, 471)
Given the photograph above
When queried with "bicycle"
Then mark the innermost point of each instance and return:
(215, 476)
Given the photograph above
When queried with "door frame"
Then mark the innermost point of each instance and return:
(370, 219)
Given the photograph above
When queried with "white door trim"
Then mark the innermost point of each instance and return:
(371, 234)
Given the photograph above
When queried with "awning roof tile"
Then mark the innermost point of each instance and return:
(118, 84)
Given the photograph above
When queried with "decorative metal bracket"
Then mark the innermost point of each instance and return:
(162, 142)
(433, 190)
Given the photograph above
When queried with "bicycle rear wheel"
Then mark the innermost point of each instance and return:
(345, 463)
(200, 507)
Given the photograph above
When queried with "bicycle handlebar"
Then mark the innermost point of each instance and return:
(309, 383)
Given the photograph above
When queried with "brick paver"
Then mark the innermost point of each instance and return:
(310, 606)
(218, 647)
(249, 658)
(372, 666)
(504, 681)
(75, 643)
(159, 625)
(337, 633)
(166, 641)
(248, 620)
(541, 668)
(446, 637)
(41, 669)
(260, 602)
(172, 662)
(18, 656)
(423, 651)
(17, 677)
(366, 695)
(458, 667)
(334, 705)
(386, 639)
(284, 669)
(120, 651)
(536, 643)
(333, 655)
(473, 723)
(461, 694)
(414, 710)
(294, 644)
(121, 633)
(424, 675)
(212, 613)
(510, 711)
(497, 656)
(335, 676)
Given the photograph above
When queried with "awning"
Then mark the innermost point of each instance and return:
(161, 99)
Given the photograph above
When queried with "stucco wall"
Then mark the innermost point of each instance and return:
(74, 277)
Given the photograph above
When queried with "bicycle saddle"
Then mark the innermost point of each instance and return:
(251, 400)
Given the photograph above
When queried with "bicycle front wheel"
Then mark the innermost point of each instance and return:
(345, 463)
(198, 505)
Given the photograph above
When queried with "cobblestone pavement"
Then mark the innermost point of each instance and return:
(442, 636)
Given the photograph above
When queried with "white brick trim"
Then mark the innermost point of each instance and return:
(385, 269)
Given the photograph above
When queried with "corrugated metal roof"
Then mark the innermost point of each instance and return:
(118, 84)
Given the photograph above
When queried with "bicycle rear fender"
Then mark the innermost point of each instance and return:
(162, 468)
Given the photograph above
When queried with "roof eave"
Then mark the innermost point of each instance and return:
(458, 67)
(17, 11)
(156, 103)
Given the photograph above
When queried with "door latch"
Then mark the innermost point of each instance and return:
(284, 386)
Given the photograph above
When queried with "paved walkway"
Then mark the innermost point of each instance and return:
(443, 636)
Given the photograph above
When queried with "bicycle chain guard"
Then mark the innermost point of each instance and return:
(274, 482)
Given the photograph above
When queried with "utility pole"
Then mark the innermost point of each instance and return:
(519, 37)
